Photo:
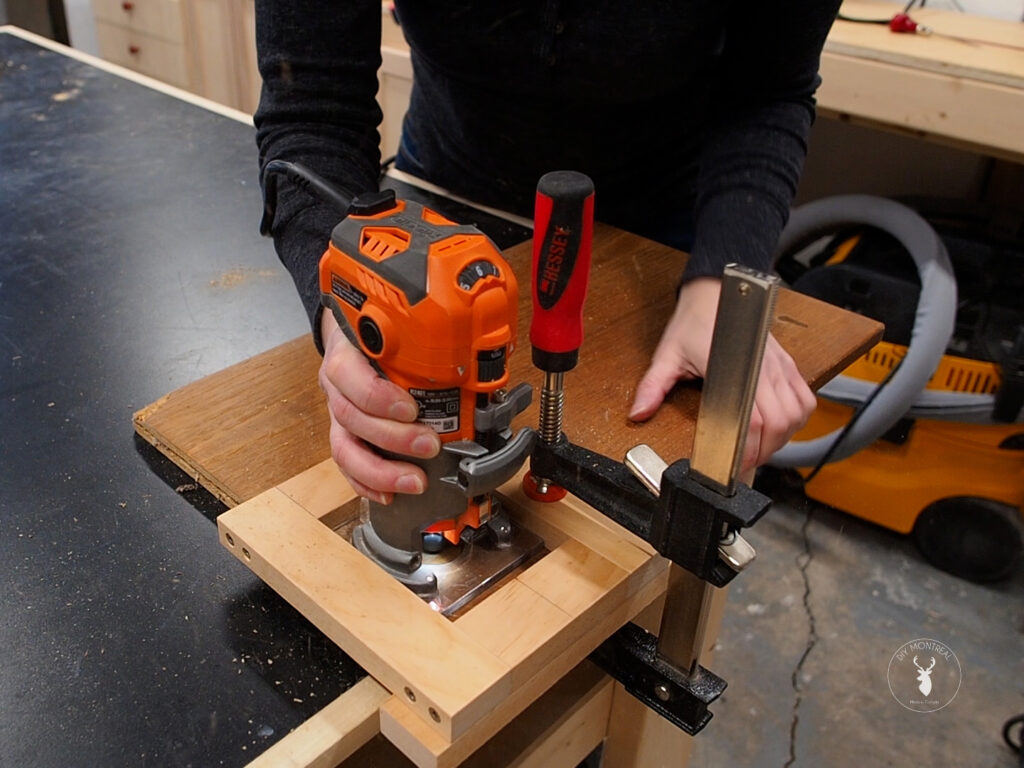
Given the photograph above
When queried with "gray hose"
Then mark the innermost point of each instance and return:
(933, 322)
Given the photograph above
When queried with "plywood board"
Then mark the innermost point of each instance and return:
(256, 424)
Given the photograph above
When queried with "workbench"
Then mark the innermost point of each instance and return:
(961, 86)
(132, 267)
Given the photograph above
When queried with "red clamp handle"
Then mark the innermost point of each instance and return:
(563, 229)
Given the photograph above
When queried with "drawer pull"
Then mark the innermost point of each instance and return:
(133, 49)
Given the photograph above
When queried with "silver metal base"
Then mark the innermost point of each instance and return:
(459, 574)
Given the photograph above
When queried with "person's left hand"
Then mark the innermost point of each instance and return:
(783, 401)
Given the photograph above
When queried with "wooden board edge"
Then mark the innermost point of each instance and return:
(181, 460)
(297, 555)
(842, 83)
(559, 729)
(428, 750)
(332, 734)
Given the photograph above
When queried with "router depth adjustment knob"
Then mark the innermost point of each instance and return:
(476, 271)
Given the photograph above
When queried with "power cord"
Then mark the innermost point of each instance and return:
(901, 22)
(1007, 737)
(827, 456)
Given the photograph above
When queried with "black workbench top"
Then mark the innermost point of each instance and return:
(131, 265)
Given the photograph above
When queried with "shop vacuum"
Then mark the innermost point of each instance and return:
(922, 435)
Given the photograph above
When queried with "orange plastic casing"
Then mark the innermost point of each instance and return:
(443, 301)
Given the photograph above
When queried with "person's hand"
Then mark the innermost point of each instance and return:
(365, 408)
(783, 401)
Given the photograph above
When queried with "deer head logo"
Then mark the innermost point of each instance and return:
(924, 677)
(924, 687)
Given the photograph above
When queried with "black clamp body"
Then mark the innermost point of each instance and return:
(680, 696)
(684, 524)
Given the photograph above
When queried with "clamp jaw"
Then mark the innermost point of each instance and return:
(686, 522)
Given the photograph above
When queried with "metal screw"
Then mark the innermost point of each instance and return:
(662, 692)
(743, 288)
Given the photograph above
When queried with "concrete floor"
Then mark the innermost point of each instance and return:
(807, 640)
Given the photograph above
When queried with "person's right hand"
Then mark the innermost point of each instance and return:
(365, 408)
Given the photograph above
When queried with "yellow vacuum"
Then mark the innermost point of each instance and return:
(923, 434)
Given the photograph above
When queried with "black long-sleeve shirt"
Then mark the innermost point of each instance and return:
(675, 109)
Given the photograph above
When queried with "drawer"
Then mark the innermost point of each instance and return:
(159, 18)
(144, 53)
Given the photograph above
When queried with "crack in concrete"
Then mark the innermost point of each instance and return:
(803, 560)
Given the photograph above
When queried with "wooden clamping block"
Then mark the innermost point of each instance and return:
(454, 684)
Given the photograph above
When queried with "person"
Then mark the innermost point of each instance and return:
(691, 117)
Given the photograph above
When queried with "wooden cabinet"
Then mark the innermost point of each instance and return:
(145, 35)
(204, 46)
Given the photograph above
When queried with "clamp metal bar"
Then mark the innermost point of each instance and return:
(727, 398)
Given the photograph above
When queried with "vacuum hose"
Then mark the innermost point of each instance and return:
(933, 322)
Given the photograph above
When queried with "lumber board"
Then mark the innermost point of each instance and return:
(258, 423)
(468, 678)
(559, 730)
(331, 735)
(962, 45)
(428, 750)
(384, 627)
(963, 85)
(983, 117)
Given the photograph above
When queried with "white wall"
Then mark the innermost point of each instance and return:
(81, 28)
(1001, 9)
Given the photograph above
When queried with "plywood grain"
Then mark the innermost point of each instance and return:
(256, 424)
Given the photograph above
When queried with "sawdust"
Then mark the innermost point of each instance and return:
(241, 275)
(66, 95)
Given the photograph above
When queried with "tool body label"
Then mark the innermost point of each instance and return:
(347, 292)
(439, 408)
